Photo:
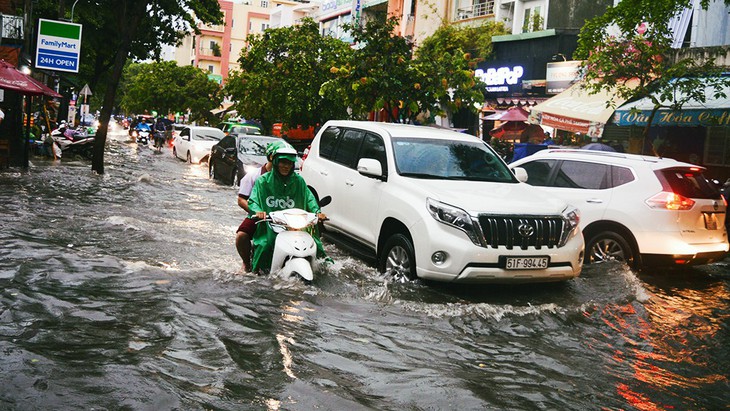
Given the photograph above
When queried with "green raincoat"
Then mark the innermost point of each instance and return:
(273, 192)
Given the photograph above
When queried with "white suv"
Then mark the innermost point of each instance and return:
(438, 205)
(646, 211)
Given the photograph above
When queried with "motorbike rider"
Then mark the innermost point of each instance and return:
(278, 190)
(159, 130)
(245, 231)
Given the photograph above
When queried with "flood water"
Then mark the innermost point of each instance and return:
(120, 292)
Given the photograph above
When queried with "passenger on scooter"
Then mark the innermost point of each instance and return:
(245, 231)
(279, 190)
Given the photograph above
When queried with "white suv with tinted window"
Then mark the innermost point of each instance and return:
(438, 205)
(639, 209)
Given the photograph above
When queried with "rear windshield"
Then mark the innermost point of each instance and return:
(689, 182)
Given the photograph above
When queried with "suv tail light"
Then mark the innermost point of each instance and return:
(670, 201)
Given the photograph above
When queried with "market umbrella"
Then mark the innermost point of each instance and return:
(515, 114)
(13, 79)
(598, 147)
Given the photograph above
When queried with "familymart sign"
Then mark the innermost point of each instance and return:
(59, 45)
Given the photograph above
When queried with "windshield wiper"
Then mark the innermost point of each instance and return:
(422, 175)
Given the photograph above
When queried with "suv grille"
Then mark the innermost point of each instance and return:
(521, 231)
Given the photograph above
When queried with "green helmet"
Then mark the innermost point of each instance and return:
(273, 148)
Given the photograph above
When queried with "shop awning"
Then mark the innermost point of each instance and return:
(714, 111)
(576, 110)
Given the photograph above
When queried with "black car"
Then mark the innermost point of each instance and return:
(235, 155)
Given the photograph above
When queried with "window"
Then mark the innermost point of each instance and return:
(328, 142)
(348, 147)
(213, 44)
(580, 174)
(621, 176)
(373, 147)
(210, 69)
(538, 172)
(265, 4)
(264, 26)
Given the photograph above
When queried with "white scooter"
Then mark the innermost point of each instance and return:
(294, 249)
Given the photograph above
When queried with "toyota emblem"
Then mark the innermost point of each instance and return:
(526, 230)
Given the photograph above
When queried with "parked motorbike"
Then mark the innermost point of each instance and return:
(73, 141)
(294, 249)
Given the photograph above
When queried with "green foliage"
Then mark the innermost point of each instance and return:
(166, 88)
(282, 72)
(637, 62)
(446, 62)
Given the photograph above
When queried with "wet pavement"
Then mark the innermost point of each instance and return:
(120, 292)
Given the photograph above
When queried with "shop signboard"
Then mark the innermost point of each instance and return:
(59, 46)
(503, 79)
(561, 75)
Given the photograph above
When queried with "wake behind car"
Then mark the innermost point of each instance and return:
(194, 143)
(237, 155)
(644, 210)
(439, 205)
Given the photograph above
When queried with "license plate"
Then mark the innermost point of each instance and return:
(526, 263)
(711, 222)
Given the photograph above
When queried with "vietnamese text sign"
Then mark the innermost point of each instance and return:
(59, 45)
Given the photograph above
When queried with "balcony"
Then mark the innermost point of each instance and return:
(11, 26)
(475, 10)
(209, 52)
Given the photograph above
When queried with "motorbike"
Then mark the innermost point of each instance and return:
(141, 133)
(294, 248)
(159, 139)
(74, 141)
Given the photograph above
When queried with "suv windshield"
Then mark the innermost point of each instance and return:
(449, 160)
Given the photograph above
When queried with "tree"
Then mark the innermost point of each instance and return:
(380, 74)
(636, 62)
(167, 88)
(117, 30)
(281, 74)
(446, 61)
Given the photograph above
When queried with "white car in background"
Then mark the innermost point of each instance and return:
(194, 142)
(646, 211)
(439, 205)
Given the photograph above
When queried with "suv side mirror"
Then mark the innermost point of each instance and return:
(521, 174)
(370, 167)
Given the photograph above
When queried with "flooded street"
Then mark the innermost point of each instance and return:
(120, 292)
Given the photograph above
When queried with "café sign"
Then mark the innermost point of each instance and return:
(692, 117)
(501, 78)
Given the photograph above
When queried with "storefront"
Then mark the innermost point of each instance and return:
(516, 77)
(698, 133)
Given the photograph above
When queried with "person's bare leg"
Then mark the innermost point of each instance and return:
(243, 245)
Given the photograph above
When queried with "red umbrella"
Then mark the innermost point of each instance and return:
(515, 114)
(13, 79)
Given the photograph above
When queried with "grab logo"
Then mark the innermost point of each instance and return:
(280, 203)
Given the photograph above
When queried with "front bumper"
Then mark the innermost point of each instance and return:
(469, 263)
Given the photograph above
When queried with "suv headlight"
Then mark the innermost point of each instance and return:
(453, 216)
(571, 220)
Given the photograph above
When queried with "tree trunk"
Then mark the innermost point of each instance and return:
(136, 12)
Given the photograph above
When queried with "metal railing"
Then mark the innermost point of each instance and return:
(11, 27)
(475, 10)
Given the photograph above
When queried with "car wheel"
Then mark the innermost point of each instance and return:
(609, 246)
(398, 259)
(211, 171)
(190, 159)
